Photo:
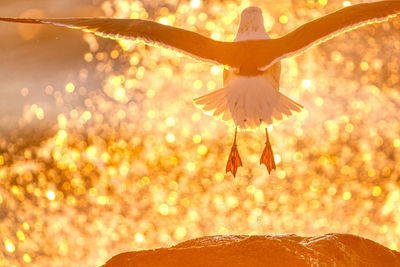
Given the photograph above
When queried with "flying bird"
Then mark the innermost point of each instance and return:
(250, 96)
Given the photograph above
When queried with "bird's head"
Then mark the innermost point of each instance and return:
(251, 22)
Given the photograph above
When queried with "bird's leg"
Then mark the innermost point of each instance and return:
(234, 161)
(267, 157)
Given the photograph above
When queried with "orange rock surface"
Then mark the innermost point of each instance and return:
(265, 250)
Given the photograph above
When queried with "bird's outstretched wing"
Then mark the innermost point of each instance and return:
(152, 33)
(252, 54)
(334, 24)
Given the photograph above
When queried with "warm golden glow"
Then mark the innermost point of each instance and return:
(70, 87)
(10, 247)
(125, 161)
(346, 3)
(163, 20)
(323, 2)
(306, 83)
(51, 195)
(195, 3)
(283, 19)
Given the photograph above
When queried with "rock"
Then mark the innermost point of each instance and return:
(265, 250)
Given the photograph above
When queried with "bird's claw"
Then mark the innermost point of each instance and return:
(267, 158)
(234, 161)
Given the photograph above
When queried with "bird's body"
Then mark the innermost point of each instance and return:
(250, 96)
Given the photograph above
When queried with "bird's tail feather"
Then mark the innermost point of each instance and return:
(249, 107)
(214, 104)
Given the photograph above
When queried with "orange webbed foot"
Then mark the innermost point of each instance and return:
(267, 157)
(234, 161)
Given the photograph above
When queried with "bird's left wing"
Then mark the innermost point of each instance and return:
(324, 29)
(152, 33)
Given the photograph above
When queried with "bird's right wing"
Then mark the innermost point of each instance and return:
(152, 33)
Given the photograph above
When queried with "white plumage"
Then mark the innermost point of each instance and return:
(251, 101)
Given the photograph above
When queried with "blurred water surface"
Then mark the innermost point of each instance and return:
(102, 150)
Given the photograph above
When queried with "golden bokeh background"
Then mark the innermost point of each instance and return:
(118, 158)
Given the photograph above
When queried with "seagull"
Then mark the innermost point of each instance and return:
(250, 95)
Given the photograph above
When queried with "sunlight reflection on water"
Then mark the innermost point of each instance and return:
(138, 166)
